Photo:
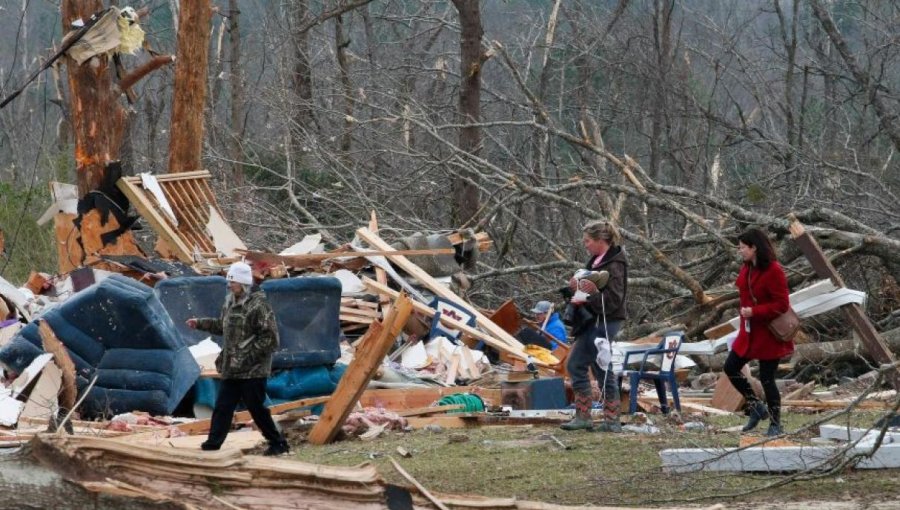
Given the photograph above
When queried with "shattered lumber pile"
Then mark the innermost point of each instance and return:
(228, 479)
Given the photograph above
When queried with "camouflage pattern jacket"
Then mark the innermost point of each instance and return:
(250, 337)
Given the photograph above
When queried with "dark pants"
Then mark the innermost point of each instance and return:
(583, 358)
(528, 336)
(253, 393)
(733, 366)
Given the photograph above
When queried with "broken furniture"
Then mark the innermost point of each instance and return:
(181, 208)
(307, 310)
(118, 332)
(665, 353)
(536, 394)
(192, 296)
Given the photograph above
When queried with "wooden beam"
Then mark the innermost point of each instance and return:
(315, 258)
(157, 221)
(440, 289)
(854, 313)
(375, 346)
(53, 345)
(469, 330)
(380, 273)
(431, 410)
(415, 398)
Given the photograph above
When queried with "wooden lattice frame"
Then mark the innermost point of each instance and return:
(190, 197)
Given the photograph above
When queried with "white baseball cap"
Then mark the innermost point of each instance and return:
(240, 272)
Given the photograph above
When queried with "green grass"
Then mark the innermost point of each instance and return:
(607, 469)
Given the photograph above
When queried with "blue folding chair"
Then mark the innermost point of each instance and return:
(666, 350)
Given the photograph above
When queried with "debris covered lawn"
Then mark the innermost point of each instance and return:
(384, 361)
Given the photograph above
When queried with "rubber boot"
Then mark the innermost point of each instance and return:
(774, 422)
(582, 419)
(756, 410)
(277, 448)
(611, 422)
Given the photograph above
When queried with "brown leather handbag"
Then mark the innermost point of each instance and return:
(783, 327)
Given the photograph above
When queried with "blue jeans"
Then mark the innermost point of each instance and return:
(583, 357)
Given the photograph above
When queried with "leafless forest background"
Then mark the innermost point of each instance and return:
(683, 121)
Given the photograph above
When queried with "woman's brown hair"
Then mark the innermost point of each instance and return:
(603, 230)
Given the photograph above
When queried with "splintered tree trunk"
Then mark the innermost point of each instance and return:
(98, 125)
(186, 133)
(98, 120)
(465, 194)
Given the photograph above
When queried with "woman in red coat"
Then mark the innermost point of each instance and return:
(763, 292)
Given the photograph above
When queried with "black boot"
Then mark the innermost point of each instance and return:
(774, 422)
(757, 411)
(277, 448)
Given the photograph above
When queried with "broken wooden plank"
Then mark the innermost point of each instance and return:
(801, 392)
(482, 238)
(692, 406)
(431, 410)
(418, 485)
(353, 383)
(453, 370)
(440, 289)
(61, 358)
(414, 398)
(308, 259)
(469, 330)
(860, 322)
(157, 220)
(380, 273)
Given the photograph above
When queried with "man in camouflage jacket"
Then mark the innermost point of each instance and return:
(247, 324)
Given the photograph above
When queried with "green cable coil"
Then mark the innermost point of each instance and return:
(471, 401)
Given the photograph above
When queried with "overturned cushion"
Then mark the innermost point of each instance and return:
(307, 311)
(119, 332)
(187, 297)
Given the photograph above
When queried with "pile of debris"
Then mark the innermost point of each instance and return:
(374, 337)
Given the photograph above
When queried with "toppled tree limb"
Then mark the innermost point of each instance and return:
(148, 67)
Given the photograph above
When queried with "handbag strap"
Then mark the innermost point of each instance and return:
(750, 285)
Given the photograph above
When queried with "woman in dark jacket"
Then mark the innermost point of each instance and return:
(763, 291)
(602, 241)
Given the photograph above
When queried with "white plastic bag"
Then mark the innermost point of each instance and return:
(604, 352)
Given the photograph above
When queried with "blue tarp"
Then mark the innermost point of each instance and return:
(118, 331)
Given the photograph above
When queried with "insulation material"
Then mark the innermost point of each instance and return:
(149, 182)
(10, 408)
(131, 35)
(350, 283)
(224, 239)
(205, 353)
(116, 31)
(42, 399)
(309, 244)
